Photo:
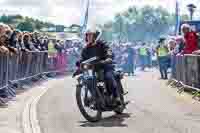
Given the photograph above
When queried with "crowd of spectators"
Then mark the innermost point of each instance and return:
(162, 53)
(13, 41)
(187, 43)
(184, 44)
(129, 56)
(27, 54)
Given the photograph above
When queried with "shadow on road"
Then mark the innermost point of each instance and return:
(112, 121)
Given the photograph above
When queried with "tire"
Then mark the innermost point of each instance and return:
(83, 111)
(120, 109)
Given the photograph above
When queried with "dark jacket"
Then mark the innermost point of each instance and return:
(44, 45)
(100, 50)
(59, 48)
(29, 46)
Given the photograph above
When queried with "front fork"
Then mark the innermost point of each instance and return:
(96, 93)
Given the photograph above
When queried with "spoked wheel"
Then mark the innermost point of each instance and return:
(120, 109)
(87, 105)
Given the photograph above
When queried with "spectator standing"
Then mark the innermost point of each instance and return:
(28, 44)
(13, 42)
(149, 57)
(130, 60)
(20, 44)
(163, 58)
(44, 44)
(143, 53)
(61, 62)
(173, 50)
(179, 44)
(191, 39)
(5, 33)
(52, 54)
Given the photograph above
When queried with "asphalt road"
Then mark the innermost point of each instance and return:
(155, 108)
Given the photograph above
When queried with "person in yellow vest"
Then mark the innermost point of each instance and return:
(163, 58)
(143, 53)
(51, 49)
(52, 54)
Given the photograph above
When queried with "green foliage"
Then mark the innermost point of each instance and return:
(39, 25)
(5, 19)
(25, 23)
(145, 23)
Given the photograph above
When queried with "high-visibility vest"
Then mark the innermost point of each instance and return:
(162, 51)
(143, 51)
(51, 48)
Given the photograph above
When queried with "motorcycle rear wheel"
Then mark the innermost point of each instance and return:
(87, 116)
(120, 109)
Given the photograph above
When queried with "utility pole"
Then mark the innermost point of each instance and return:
(177, 13)
(120, 30)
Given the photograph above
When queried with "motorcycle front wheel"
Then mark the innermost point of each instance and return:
(80, 98)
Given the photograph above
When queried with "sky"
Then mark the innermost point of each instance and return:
(68, 12)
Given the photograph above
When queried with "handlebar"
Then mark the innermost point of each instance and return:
(89, 61)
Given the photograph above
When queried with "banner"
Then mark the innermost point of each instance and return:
(84, 19)
(178, 21)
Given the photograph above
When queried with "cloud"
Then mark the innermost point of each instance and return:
(63, 11)
(22, 3)
(69, 11)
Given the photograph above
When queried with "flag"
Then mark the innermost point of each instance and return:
(178, 19)
(84, 19)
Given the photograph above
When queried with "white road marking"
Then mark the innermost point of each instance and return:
(30, 122)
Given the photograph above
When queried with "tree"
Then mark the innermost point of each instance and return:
(38, 24)
(147, 23)
(27, 25)
(5, 19)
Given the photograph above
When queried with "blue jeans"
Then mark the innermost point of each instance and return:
(111, 82)
(173, 66)
(143, 60)
(163, 65)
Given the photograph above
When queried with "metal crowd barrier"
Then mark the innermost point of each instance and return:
(187, 71)
(180, 68)
(57, 63)
(193, 68)
(3, 70)
(25, 65)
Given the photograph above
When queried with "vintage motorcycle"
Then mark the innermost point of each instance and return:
(92, 96)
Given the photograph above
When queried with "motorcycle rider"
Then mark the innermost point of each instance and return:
(98, 48)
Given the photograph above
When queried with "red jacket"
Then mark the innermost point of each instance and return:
(191, 42)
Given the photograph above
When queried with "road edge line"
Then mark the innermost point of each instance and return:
(30, 123)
